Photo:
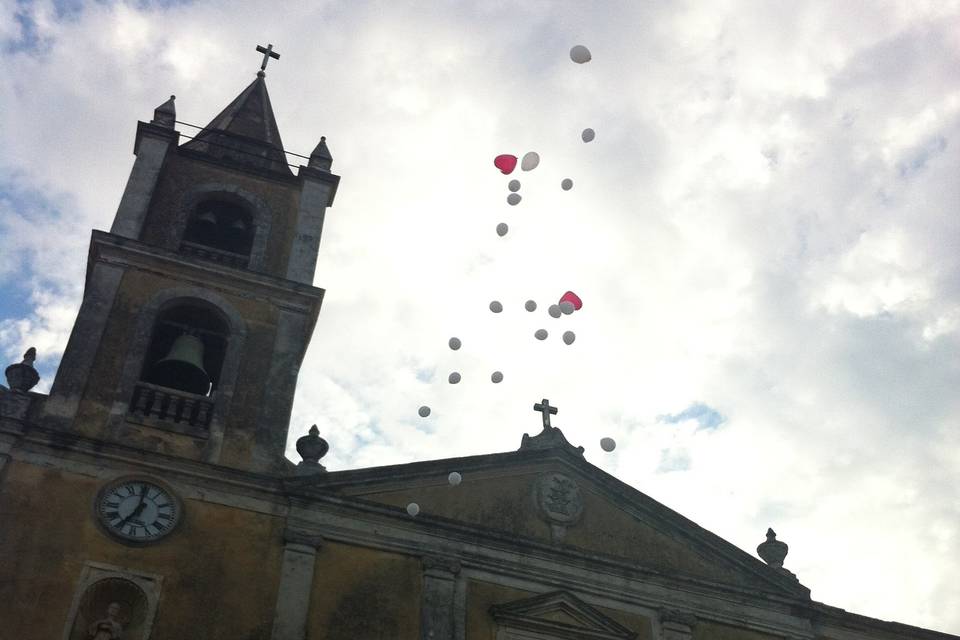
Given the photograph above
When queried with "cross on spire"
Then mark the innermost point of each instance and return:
(268, 53)
(545, 408)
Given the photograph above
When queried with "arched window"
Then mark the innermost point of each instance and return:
(187, 348)
(219, 230)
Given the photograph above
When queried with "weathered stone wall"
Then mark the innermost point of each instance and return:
(364, 593)
(178, 183)
(220, 567)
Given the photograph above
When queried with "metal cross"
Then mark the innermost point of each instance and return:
(267, 54)
(545, 408)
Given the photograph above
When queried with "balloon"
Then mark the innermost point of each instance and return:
(513, 199)
(580, 54)
(424, 411)
(540, 334)
(413, 508)
(513, 185)
(453, 378)
(502, 229)
(554, 310)
(566, 307)
(587, 134)
(569, 337)
(454, 478)
(530, 161)
(574, 298)
(530, 305)
(496, 307)
(506, 163)
(608, 444)
(454, 343)
(496, 377)
(566, 184)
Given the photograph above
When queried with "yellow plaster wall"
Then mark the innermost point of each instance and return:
(181, 174)
(220, 567)
(504, 500)
(713, 631)
(361, 593)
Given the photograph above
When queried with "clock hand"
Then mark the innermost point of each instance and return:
(136, 510)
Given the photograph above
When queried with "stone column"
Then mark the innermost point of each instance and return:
(438, 605)
(296, 582)
(676, 625)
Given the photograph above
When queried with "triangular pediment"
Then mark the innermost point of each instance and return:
(554, 498)
(560, 615)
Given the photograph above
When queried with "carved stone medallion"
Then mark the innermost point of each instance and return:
(559, 501)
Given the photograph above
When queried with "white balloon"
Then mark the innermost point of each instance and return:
(513, 185)
(567, 307)
(496, 377)
(424, 411)
(554, 310)
(413, 508)
(502, 229)
(587, 134)
(580, 54)
(513, 199)
(496, 307)
(454, 478)
(530, 305)
(453, 378)
(454, 343)
(569, 337)
(608, 444)
(530, 161)
(540, 334)
(566, 184)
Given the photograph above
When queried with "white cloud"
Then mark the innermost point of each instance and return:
(766, 223)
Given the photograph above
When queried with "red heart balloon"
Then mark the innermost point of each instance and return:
(506, 163)
(572, 298)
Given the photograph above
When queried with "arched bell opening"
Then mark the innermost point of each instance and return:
(222, 225)
(187, 349)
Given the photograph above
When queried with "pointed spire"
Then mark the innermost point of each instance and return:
(166, 114)
(321, 158)
(245, 132)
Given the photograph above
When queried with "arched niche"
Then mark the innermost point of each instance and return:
(111, 602)
(224, 223)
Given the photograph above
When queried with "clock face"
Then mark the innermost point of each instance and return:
(137, 510)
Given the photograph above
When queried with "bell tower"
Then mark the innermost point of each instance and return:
(198, 304)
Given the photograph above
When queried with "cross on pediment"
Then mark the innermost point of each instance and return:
(545, 408)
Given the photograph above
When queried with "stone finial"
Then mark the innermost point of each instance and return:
(311, 448)
(773, 551)
(166, 114)
(23, 377)
(321, 158)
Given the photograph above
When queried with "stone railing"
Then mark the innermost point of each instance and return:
(171, 406)
(220, 256)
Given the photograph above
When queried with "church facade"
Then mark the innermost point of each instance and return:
(147, 496)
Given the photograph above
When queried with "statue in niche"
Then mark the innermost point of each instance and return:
(108, 628)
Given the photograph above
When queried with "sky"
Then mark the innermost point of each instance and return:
(765, 233)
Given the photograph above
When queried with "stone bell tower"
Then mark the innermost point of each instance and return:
(199, 305)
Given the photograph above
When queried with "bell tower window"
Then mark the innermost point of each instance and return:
(220, 231)
(182, 367)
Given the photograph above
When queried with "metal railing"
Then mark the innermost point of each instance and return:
(227, 258)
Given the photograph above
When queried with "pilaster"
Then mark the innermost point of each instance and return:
(438, 615)
(301, 543)
(151, 147)
(676, 625)
(317, 191)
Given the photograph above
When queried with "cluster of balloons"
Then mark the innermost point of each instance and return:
(507, 162)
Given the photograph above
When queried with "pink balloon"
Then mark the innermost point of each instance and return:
(573, 299)
(506, 163)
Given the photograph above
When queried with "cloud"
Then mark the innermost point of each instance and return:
(765, 221)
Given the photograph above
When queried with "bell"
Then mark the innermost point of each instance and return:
(182, 368)
(206, 227)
